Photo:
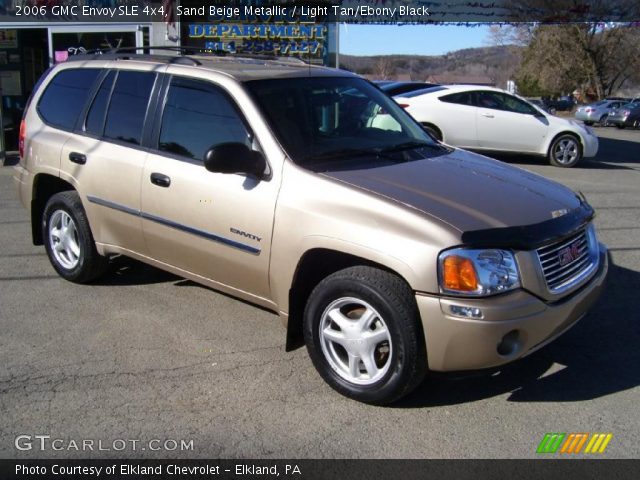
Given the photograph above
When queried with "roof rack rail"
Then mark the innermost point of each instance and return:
(185, 51)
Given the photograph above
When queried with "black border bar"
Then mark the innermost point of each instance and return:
(569, 467)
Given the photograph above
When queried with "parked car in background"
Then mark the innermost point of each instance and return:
(398, 88)
(485, 118)
(540, 104)
(561, 104)
(598, 112)
(627, 115)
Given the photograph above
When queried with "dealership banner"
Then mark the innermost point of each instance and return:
(318, 469)
(345, 11)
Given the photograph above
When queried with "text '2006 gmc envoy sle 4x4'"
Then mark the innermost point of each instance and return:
(387, 252)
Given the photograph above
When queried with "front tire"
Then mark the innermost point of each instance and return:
(68, 239)
(363, 333)
(565, 151)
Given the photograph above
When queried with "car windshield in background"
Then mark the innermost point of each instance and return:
(337, 119)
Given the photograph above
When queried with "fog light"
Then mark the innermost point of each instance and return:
(510, 344)
(467, 312)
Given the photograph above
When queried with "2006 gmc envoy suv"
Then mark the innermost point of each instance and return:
(389, 253)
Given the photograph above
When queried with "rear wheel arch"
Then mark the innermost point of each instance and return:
(433, 129)
(314, 266)
(44, 187)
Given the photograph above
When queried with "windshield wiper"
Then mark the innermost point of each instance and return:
(344, 152)
(409, 146)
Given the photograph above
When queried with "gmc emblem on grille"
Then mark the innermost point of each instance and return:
(568, 254)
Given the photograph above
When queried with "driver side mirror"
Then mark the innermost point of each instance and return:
(235, 158)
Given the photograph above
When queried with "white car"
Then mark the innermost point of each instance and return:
(490, 119)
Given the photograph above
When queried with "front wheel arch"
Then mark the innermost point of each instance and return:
(580, 145)
(314, 266)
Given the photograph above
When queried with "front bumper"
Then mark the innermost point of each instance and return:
(527, 322)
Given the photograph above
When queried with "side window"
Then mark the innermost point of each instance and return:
(196, 117)
(462, 98)
(501, 101)
(65, 97)
(98, 111)
(514, 104)
(491, 100)
(128, 107)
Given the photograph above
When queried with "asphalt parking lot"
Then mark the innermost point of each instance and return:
(146, 355)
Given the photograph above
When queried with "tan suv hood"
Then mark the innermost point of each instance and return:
(466, 190)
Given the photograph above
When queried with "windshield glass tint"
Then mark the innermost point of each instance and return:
(334, 118)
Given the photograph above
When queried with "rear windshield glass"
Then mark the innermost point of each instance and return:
(65, 97)
(417, 93)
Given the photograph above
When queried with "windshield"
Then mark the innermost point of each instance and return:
(332, 119)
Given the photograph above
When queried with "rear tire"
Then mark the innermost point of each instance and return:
(68, 239)
(565, 151)
(588, 123)
(363, 333)
(603, 120)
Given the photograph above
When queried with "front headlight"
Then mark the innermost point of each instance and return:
(477, 272)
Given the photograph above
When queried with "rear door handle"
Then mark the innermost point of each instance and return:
(160, 180)
(488, 115)
(79, 158)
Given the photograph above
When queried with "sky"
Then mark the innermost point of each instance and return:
(409, 39)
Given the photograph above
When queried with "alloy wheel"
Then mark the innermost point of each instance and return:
(63, 239)
(566, 151)
(355, 341)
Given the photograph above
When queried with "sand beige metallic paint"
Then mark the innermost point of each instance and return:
(293, 212)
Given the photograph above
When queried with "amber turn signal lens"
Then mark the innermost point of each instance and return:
(459, 274)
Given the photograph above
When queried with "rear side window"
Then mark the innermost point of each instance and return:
(462, 98)
(65, 97)
(196, 117)
(98, 111)
(128, 106)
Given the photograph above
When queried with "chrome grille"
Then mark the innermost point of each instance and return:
(567, 262)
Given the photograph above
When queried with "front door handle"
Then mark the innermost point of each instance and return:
(488, 115)
(79, 158)
(160, 180)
